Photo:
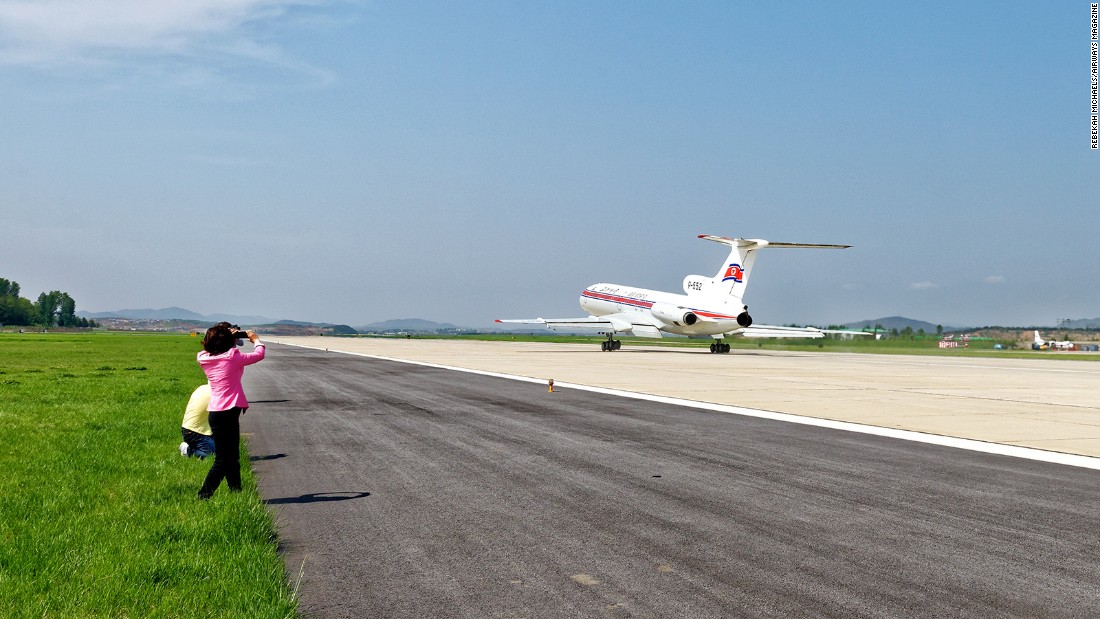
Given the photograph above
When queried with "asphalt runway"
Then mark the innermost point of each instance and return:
(1046, 403)
(410, 491)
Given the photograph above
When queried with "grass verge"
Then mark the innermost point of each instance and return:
(98, 511)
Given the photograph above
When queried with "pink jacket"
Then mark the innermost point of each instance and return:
(224, 372)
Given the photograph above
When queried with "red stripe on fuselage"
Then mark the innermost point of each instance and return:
(614, 298)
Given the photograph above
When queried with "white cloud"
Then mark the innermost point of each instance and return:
(995, 279)
(923, 286)
(84, 32)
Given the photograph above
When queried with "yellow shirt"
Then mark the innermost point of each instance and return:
(197, 418)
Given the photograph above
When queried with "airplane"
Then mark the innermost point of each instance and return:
(711, 306)
(1040, 344)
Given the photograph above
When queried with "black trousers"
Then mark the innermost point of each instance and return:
(227, 459)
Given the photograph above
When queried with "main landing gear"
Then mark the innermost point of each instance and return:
(719, 347)
(610, 344)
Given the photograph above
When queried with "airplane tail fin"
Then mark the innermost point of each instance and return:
(1038, 339)
(733, 276)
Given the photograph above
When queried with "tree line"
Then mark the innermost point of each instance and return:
(52, 309)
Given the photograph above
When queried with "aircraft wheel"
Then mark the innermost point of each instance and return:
(713, 347)
(725, 348)
(603, 345)
(617, 345)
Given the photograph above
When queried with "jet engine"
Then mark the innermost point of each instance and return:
(743, 319)
(672, 314)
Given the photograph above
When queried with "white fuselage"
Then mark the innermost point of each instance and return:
(668, 311)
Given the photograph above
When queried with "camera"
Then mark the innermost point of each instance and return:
(242, 336)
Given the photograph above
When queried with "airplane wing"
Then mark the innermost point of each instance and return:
(760, 331)
(601, 325)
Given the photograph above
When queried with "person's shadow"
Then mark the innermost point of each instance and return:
(317, 497)
(267, 457)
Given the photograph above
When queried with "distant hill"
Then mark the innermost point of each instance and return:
(177, 318)
(407, 324)
(1081, 323)
(176, 313)
(179, 313)
(898, 322)
(168, 313)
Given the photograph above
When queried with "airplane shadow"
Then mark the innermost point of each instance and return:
(267, 457)
(317, 497)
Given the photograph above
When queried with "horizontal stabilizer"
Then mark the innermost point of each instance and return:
(733, 274)
(761, 243)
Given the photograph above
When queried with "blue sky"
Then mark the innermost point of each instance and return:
(358, 161)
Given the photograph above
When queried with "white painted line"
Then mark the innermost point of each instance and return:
(1013, 451)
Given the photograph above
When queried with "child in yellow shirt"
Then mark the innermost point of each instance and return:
(198, 439)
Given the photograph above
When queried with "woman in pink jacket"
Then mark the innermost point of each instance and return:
(224, 366)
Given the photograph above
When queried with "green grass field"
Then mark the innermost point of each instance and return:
(98, 511)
